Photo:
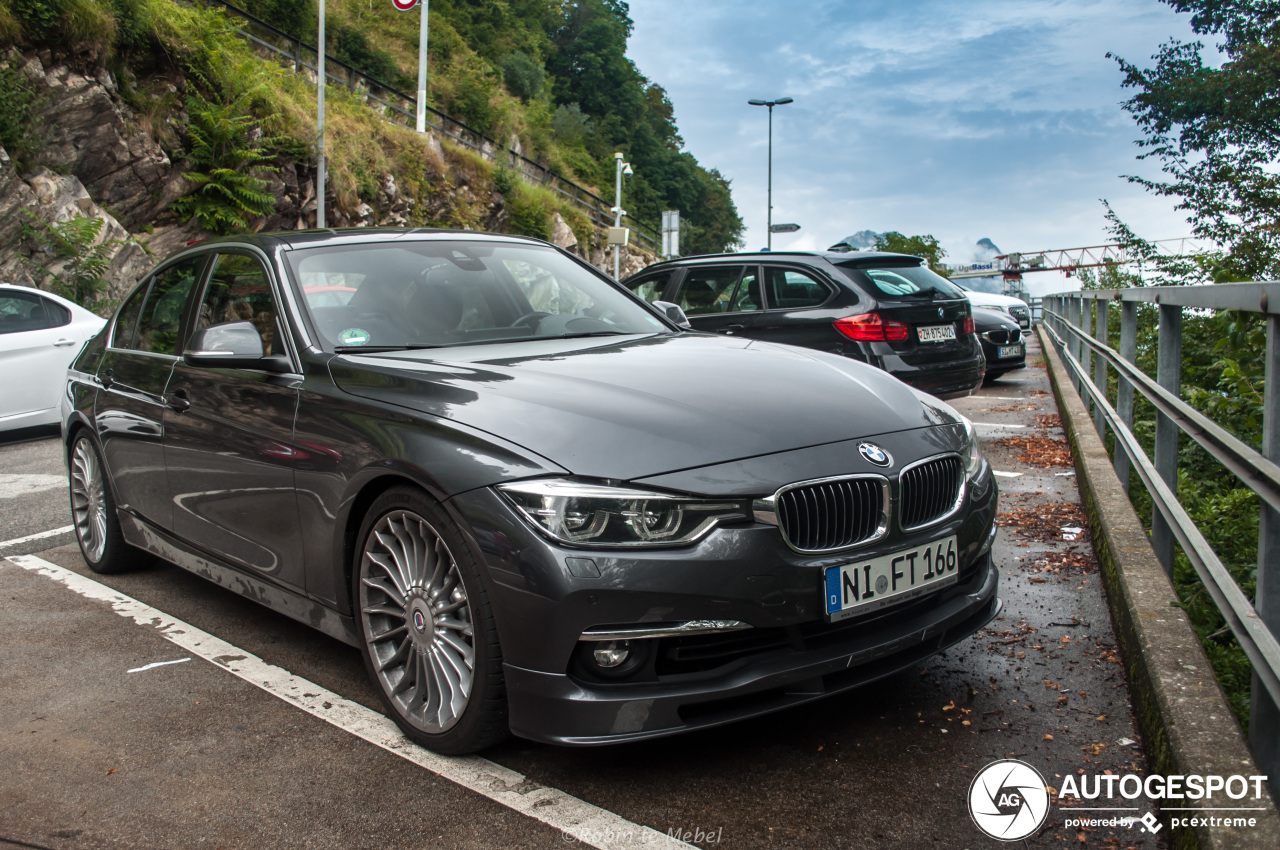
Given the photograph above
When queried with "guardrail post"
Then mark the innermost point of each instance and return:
(1100, 329)
(1264, 716)
(1086, 353)
(1169, 376)
(1073, 319)
(1124, 393)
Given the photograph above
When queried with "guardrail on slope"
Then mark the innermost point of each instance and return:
(402, 108)
(1078, 323)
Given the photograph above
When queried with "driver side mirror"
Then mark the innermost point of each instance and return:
(673, 312)
(232, 345)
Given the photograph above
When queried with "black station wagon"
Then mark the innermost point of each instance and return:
(888, 310)
(532, 501)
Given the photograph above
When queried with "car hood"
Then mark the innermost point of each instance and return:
(642, 406)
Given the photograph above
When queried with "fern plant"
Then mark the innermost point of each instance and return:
(228, 154)
(82, 278)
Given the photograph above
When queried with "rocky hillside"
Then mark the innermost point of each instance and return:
(107, 134)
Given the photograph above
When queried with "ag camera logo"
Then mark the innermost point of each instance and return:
(1008, 800)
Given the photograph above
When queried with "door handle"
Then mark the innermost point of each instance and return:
(63, 342)
(179, 401)
(108, 378)
(732, 329)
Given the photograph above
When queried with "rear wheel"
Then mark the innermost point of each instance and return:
(93, 512)
(430, 644)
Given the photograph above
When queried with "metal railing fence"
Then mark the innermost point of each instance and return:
(1078, 323)
(401, 108)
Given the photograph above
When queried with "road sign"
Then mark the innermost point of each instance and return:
(784, 228)
(404, 5)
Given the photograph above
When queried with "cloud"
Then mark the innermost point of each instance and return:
(923, 117)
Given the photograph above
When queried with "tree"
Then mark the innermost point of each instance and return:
(1216, 132)
(917, 246)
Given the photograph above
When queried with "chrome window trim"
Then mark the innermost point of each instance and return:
(766, 510)
(959, 502)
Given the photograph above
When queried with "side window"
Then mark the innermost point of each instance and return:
(127, 318)
(791, 290)
(239, 291)
(748, 295)
(161, 320)
(58, 315)
(650, 287)
(21, 311)
(708, 290)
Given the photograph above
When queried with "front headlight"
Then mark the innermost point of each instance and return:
(584, 514)
(972, 454)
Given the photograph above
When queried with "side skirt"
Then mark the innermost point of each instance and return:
(138, 532)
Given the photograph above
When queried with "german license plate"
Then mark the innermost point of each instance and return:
(936, 333)
(875, 583)
(1009, 351)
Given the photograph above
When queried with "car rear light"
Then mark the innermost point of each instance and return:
(869, 327)
(968, 325)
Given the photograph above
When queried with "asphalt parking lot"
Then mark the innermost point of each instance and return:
(219, 749)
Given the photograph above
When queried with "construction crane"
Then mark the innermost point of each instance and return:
(1012, 266)
(1069, 260)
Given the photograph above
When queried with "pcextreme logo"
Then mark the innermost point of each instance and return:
(1008, 800)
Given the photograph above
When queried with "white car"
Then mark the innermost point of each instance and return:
(40, 334)
(1015, 307)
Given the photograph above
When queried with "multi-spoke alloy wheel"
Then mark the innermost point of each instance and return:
(94, 513)
(88, 502)
(417, 621)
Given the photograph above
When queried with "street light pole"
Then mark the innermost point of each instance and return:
(320, 129)
(769, 212)
(620, 168)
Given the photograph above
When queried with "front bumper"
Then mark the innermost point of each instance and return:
(556, 708)
(544, 598)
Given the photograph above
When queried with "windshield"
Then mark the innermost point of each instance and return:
(903, 282)
(429, 294)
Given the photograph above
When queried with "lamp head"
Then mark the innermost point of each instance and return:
(758, 102)
(626, 169)
(783, 100)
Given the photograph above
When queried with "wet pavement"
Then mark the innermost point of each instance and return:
(188, 755)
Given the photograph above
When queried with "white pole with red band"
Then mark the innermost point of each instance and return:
(405, 6)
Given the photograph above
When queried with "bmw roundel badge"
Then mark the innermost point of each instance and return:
(875, 454)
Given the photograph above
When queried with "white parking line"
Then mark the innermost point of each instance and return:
(38, 536)
(996, 425)
(578, 820)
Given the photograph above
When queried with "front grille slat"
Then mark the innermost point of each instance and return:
(831, 515)
(930, 490)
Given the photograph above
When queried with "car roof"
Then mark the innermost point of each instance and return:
(290, 239)
(65, 302)
(838, 257)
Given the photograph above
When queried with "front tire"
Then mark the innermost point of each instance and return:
(93, 512)
(429, 641)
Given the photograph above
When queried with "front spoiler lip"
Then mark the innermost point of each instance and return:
(546, 707)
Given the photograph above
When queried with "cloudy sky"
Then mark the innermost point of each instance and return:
(993, 118)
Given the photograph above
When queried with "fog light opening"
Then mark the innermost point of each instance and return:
(611, 653)
(612, 660)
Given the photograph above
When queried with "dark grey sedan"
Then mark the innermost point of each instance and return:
(535, 503)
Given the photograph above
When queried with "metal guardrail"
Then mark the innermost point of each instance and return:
(1077, 321)
(402, 108)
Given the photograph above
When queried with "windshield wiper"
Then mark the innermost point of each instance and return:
(376, 349)
(591, 333)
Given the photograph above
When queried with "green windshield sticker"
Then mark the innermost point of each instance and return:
(353, 336)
